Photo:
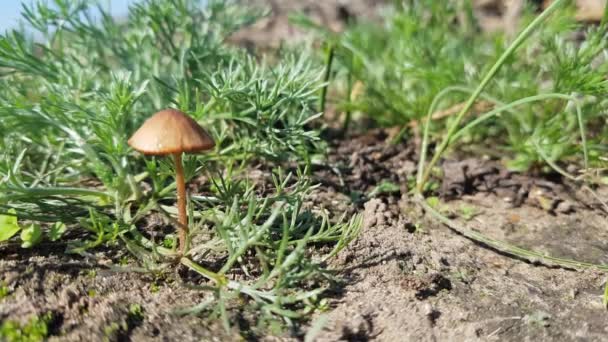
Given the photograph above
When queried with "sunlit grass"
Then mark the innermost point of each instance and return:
(69, 103)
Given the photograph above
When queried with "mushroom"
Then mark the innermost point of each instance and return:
(173, 132)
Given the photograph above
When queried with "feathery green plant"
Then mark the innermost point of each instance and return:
(428, 56)
(72, 92)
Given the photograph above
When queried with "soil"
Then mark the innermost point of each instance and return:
(407, 277)
(411, 279)
(89, 302)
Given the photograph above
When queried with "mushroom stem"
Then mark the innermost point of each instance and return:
(181, 202)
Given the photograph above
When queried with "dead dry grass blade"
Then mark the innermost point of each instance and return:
(505, 247)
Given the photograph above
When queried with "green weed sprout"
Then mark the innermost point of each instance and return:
(171, 132)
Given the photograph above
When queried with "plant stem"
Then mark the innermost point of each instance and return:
(530, 255)
(349, 98)
(50, 191)
(604, 21)
(182, 217)
(329, 58)
(484, 82)
(510, 106)
(219, 279)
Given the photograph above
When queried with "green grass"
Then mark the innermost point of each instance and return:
(33, 331)
(428, 56)
(545, 86)
(69, 102)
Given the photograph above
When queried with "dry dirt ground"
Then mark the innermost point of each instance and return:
(407, 278)
(411, 279)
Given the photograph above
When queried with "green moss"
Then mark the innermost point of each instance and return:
(112, 330)
(4, 291)
(34, 330)
(154, 287)
(136, 312)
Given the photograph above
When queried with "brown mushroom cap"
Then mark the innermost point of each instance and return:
(168, 132)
